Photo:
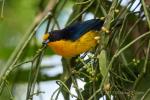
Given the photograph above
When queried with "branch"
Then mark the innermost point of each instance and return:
(39, 19)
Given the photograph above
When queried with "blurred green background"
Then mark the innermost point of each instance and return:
(17, 17)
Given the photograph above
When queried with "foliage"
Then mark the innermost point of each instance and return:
(118, 68)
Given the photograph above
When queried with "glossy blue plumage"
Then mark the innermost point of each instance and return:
(75, 31)
(78, 29)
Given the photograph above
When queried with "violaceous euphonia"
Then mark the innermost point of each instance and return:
(74, 39)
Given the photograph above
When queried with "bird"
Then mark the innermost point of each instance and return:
(75, 39)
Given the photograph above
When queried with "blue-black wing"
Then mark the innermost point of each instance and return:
(78, 29)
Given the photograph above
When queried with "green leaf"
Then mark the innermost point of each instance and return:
(103, 62)
(142, 91)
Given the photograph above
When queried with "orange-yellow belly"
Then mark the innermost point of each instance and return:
(67, 48)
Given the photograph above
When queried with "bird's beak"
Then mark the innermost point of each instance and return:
(46, 41)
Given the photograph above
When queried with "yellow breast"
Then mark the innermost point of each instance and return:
(67, 48)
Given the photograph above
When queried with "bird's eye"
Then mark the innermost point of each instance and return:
(45, 37)
(50, 35)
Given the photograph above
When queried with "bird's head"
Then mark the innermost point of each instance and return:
(47, 38)
(52, 36)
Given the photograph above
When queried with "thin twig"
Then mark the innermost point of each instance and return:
(80, 13)
(33, 76)
(25, 40)
(113, 58)
(144, 68)
(145, 94)
(146, 13)
(2, 8)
